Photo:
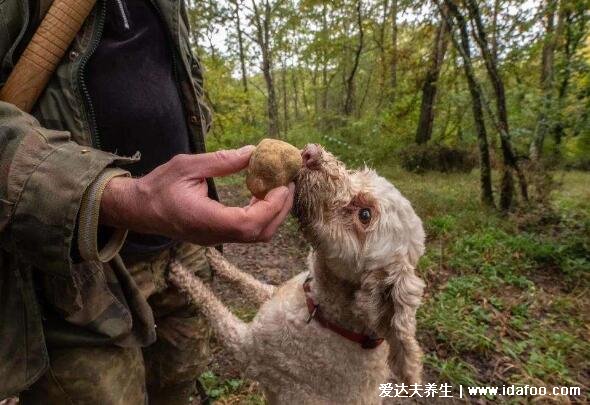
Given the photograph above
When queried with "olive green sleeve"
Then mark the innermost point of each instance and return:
(43, 178)
(88, 221)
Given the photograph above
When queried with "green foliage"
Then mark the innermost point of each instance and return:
(577, 152)
(507, 292)
(246, 314)
(453, 370)
(431, 157)
(229, 391)
(312, 46)
(216, 388)
(441, 226)
(459, 322)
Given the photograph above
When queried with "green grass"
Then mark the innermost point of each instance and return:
(508, 296)
(230, 391)
(453, 370)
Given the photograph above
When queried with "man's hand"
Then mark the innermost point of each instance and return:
(172, 201)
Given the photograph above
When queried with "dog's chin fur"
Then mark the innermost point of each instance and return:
(379, 256)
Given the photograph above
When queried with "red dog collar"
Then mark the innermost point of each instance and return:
(366, 341)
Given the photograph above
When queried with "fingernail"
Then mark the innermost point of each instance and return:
(246, 150)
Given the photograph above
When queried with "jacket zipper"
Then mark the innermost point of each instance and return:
(123, 14)
(94, 135)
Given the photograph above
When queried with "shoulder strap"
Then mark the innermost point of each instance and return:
(47, 47)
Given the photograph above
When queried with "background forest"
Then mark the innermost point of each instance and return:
(479, 112)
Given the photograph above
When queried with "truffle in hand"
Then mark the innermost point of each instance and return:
(273, 164)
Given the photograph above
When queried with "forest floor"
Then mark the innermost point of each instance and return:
(507, 298)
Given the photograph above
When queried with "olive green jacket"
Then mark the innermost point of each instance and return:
(51, 171)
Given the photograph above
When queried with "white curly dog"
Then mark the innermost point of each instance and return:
(334, 334)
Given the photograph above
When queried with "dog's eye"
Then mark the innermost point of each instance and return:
(365, 215)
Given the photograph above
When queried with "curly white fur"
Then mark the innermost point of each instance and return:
(364, 280)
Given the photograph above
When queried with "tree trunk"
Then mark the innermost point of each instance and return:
(295, 84)
(491, 64)
(350, 80)
(241, 48)
(394, 52)
(429, 88)
(382, 54)
(475, 91)
(272, 108)
(571, 34)
(314, 86)
(285, 102)
(365, 93)
(325, 86)
(547, 63)
(495, 12)
(304, 97)
(263, 41)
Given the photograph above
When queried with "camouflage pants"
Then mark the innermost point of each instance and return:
(165, 372)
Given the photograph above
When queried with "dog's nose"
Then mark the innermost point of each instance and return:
(311, 156)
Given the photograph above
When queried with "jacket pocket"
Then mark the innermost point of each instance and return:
(90, 299)
(23, 356)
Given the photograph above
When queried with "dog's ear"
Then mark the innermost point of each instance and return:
(389, 298)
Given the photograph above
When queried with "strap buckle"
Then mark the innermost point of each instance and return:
(312, 315)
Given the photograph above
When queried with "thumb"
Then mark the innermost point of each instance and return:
(223, 162)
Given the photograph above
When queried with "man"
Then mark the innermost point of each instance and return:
(78, 319)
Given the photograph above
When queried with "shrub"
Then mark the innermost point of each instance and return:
(440, 158)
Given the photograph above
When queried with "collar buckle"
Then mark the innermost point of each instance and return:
(312, 314)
